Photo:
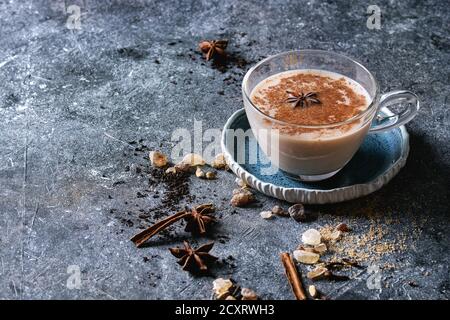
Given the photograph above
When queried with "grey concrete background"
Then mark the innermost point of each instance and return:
(72, 102)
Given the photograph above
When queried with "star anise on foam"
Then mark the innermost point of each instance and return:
(301, 99)
(198, 218)
(194, 260)
(213, 48)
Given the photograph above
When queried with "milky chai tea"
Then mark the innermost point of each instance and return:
(303, 105)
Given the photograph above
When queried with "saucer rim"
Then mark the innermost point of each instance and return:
(316, 196)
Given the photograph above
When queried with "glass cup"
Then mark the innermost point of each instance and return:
(297, 152)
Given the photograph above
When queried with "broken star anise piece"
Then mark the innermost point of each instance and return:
(194, 260)
(197, 220)
(213, 48)
(302, 100)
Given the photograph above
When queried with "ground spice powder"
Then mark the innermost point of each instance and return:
(338, 99)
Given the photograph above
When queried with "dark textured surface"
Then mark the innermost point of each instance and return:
(72, 100)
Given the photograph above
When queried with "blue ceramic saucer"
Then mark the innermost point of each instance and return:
(378, 160)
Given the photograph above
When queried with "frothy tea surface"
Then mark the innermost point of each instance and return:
(340, 98)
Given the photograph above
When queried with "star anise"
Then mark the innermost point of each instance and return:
(302, 100)
(213, 48)
(197, 219)
(194, 260)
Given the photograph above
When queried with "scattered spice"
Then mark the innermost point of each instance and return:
(227, 289)
(193, 160)
(222, 288)
(369, 245)
(171, 170)
(157, 159)
(306, 257)
(241, 183)
(118, 183)
(311, 237)
(242, 197)
(331, 235)
(302, 100)
(342, 227)
(213, 49)
(176, 188)
(306, 248)
(345, 262)
(197, 220)
(219, 162)
(211, 175)
(335, 235)
(194, 260)
(335, 277)
(320, 248)
(171, 189)
(183, 167)
(266, 214)
(312, 249)
(297, 212)
(317, 273)
(293, 276)
(249, 294)
(279, 211)
(324, 273)
(313, 291)
(199, 173)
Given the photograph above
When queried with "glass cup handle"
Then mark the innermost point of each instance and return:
(383, 123)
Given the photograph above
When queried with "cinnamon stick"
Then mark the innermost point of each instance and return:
(293, 276)
(140, 238)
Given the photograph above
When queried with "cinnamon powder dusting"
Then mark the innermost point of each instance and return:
(339, 99)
